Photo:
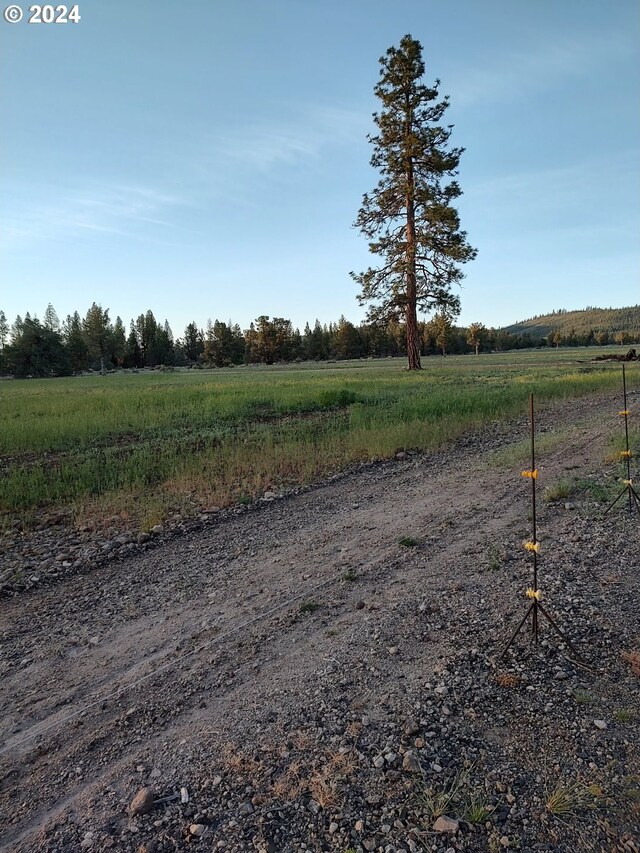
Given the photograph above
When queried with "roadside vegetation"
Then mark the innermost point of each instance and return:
(153, 443)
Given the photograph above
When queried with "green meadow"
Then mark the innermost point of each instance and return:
(154, 443)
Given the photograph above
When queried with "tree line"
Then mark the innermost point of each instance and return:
(49, 347)
(592, 323)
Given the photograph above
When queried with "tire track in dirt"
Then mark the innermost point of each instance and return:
(351, 524)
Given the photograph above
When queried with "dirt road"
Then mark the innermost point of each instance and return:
(272, 661)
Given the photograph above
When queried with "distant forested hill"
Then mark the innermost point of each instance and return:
(580, 324)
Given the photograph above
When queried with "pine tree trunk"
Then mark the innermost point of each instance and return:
(413, 345)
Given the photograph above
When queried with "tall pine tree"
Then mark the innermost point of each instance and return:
(409, 218)
(97, 333)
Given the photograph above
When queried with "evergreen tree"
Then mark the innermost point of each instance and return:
(4, 330)
(272, 339)
(4, 335)
(409, 218)
(75, 343)
(237, 344)
(17, 327)
(162, 346)
(133, 352)
(306, 342)
(219, 346)
(97, 334)
(396, 334)
(476, 334)
(317, 348)
(146, 327)
(296, 347)
(193, 343)
(347, 343)
(36, 351)
(118, 343)
(251, 345)
(51, 320)
(442, 329)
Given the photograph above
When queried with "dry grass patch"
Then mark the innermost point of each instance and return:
(565, 799)
(322, 777)
(632, 657)
(238, 763)
(353, 729)
(302, 740)
(508, 679)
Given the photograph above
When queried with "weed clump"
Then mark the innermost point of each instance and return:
(567, 798)
(455, 796)
(559, 491)
(623, 715)
(495, 560)
(583, 697)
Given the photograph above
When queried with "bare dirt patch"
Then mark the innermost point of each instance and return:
(316, 685)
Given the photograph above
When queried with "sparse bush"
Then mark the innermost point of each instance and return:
(495, 560)
(454, 796)
(559, 491)
(567, 798)
(623, 715)
(582, 697)
(477, 811)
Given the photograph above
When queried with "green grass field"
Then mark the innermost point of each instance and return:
(149, 444)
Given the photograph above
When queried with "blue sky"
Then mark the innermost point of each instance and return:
(207, 159)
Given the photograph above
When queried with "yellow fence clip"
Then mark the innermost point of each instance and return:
(628, 482)
(626, 454)
(533, 593)
(532, 475)
(624, 413)
(532, 546)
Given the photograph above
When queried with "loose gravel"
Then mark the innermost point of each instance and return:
(289, 677)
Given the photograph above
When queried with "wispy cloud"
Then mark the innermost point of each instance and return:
(595, 180)
(119, 209)
(536, 66)
(211, 171)
(295, 136)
